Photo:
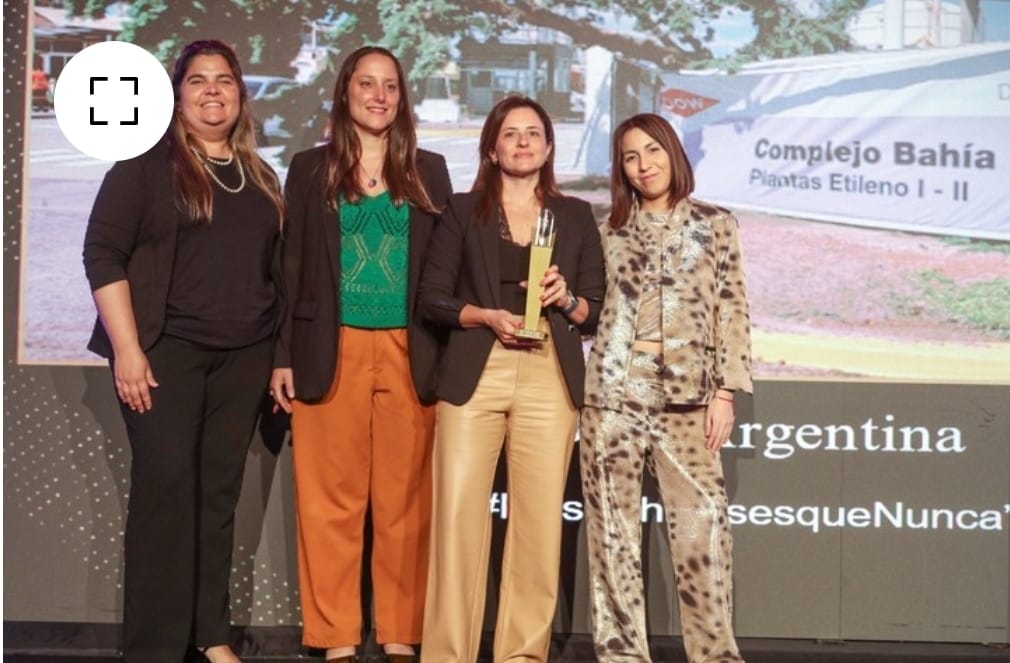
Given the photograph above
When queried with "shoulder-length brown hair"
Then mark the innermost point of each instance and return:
(487, 183)
(192, 185)
(622, 194)
(344, 149)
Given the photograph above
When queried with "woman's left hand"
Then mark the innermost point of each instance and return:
(718, 422)
(555, 288)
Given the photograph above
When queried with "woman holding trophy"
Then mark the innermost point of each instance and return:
(506, 380)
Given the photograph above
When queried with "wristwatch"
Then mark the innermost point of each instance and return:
(572, 305)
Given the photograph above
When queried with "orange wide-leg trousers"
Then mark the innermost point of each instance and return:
(367, 442)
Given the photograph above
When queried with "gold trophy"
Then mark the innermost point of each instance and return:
(540, 259)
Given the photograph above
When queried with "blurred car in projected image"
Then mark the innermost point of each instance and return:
(440, 102)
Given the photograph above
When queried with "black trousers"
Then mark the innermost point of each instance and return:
(189, 453)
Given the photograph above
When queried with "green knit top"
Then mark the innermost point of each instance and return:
(374, 236)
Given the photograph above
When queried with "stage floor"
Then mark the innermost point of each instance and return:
(568, 649)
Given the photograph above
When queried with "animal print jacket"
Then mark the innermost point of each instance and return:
(705, 318)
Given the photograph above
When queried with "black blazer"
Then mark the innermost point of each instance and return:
(310, 319)
(463, 269)
(131, 236)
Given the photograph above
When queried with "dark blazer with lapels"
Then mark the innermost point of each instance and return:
(310, 321)
(463, 268)
(131, 236)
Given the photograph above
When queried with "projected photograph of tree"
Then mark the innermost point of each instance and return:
(844, 284)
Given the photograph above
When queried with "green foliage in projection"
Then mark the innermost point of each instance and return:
(268, 33)
(785, 32)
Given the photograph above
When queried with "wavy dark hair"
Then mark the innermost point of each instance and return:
(192, 185)
(623, 195)
(487, 183)
(343, 151)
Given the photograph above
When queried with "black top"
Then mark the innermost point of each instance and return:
(221, 294)
(515, 267)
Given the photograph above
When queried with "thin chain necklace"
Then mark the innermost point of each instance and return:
(373, 181)
(206, 161)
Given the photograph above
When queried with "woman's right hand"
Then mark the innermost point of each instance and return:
(282, 388)
(134, 379)
(505, 324)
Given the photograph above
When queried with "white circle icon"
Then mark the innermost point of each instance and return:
(113, 101)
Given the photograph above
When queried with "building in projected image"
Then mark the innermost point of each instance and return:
(536, 62)
(59, 37)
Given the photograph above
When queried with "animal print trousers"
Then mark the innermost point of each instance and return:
(616, 446)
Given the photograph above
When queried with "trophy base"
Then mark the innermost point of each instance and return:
(530, 334)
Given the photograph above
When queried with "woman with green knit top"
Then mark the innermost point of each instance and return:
(355, 364)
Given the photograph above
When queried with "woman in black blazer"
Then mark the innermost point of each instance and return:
(178, 253)
(498, 391)
(355, 364)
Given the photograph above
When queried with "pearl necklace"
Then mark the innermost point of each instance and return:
(219, 162)
(206, 160)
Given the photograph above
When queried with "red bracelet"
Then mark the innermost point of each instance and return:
(723, 398)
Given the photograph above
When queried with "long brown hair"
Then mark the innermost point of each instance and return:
(344, 149)
(622, 194)
(192, 185)
(487, 183)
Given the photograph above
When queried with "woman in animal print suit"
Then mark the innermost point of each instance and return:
(672, 347)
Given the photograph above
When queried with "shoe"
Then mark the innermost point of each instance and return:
(350, 658)
(401, 658)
